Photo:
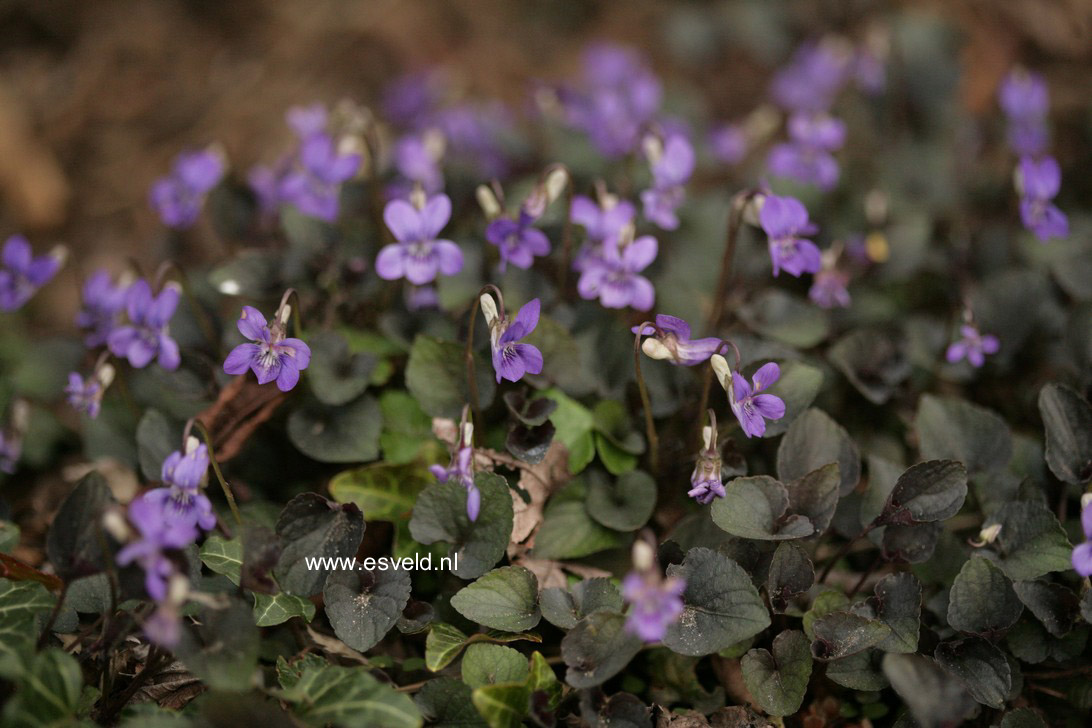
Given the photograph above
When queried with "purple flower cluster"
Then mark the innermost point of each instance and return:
(21, 274)
(145, 335)
(1082, 553)
(972, 346)
(1026, 102)
(750, 406)
(672, 163)
(85, 395)
(807, 156)
(814, 76)
(103, 304)
(518, 241)
(179, 197)
(270, 355)
(511, 359)
(418, 158)
(655, 603)
(419, 255)
(614, 276)
(707, 480)
(785, 220)
(617, 97)
(169, 518)
(669, 339)
(728, 143)
(461, 469)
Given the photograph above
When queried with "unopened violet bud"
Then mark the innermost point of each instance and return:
(271, 355)
(1038, 182)
(21, 274)
(669, 339)
(707, 479)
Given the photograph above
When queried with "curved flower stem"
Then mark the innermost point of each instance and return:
(646, 403)
(216, 469)
(471, 380)
(291, 293)
(199, 313)
(707, 381)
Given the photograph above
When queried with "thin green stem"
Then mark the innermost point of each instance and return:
(646, 402)
(219, 475)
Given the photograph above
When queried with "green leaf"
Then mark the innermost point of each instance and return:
(721, 605)
(624, 505)
(811, 442)
(364, 605)
(271, 610)
(758, 507)
(568, 532)
(336, 375)
(597, 649)
(564, 608)
(156, 437)
(778, 681)
(349, 697)
(20, 603)
(440, 515)
(897, 603)
(791, 573)
(875, 362)
(827, 602)
(952, 429)
(436, 377)
(543, 679)
(1067, 418)
(785, 318)
(841, 634)
(407, 430)
(312, 527)
(382, 491)
(861, 671)
(345, 434)
(446, 703)
(1022, 718)
(574, 424)
(980, 667)
(505, 598)
(927, 492)
(443, 645)
(934, 699)
(73, 545)
(48, 693)
(222, 647)
(9, 536)
(797, 387)
(1054, 605)
(503, 705)
(982, 600)
(223, 556)
(616, 460)
(485, 664)
(1031, 542)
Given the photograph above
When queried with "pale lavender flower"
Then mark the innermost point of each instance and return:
(179, 197)
(103, 302)
(517, 240)
(807, 157)
(22, 274)
(306, 121)
(417, 158)
(749, 405)
(614, 275)
(707, 480)
(972, 346)
(814, 76)
(1082, 553)
(728, 143)
(85, 395)
(602, 221)
(511, 359)
(829, 289)
(461, 469)
(419, 255)
(672, 164)
(265, 182)
(785, 219)
(313, 185)
(146, 335)
(159, 532)
(1038, 183)
(655, 603)
(669, 339)
(271, 356)
(1026, 101)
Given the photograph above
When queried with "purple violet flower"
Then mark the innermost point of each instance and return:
(669, 339)
(1026, 101)
(271, 356)
(814, 76)
(85, 395)
(1082, 553)
(22, 274)
(511, 360)
(419, 255)
(146, 335)
(728, 143)
(750, 407)
(785, 219)
(973, 346)
(517, 240)
(417, 157)
(655, 603)
(614, 275)
(306, 121)
(265, 182)
(807, 157)
(602, 220)
(707, 480)
(179, 196)
(461, 469)
(1038, 183)
(159, 532)
(314, 184)
(103, 303)
(672, 164)
(829, 289)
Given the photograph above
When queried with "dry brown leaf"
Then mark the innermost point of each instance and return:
(242, 406)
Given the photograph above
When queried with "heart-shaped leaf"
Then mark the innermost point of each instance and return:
(952, 429)
(364, 605)
(979, 667)
(1067, 417)
(791, 573)
(1031, 542)
(564, 608)
(436, 377)
(811, 442)
(505, 598)
(345, 434)
(757, 507)
(336, 375)
(982, 600)
(312, 527)
(926, 492)
(485, 664)
(624, 505)
(778, 680)
(597, 649)
(841, 634)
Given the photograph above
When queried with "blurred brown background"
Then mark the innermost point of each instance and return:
(97, 97)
